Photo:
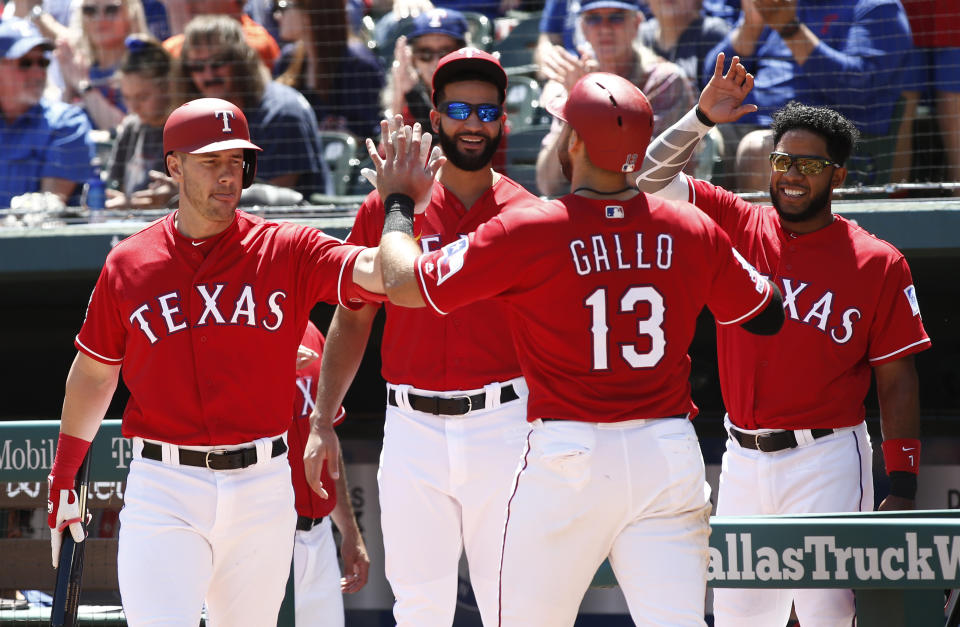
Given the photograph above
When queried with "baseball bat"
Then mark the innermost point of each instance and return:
(66, 594)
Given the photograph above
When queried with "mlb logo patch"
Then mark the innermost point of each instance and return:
(911, 293)
(614, 211)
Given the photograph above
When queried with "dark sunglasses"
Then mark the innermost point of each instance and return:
(462, 111)
(426, 55)
(806, 165)
(195, 67)
(110, 11)
(282, 5)
(613, 19)
(26, 64)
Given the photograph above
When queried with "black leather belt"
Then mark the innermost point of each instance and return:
(305, 523)
(454, 406)
(773, 441)
(217, 459)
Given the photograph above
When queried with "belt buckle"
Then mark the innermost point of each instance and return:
(206, 459)
(760, 437)
(469, 403)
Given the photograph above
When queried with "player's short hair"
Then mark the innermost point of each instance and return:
(146, 57)
(840, 133)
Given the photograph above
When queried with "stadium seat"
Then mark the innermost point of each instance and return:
(340, 153)
(523, 146)
(480, 29)
(386, 32)
(523, 105)
(516, 49)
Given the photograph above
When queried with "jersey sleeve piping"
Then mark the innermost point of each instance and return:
(110, 361)
(347, 263)
(925, 340)
(768, 294)
(339, 418)
(422, 284)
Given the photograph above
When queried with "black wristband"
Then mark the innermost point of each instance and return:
(399, 214)
(790, 28)
(903, 484)
(703, 118)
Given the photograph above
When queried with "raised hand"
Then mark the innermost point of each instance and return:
(409, 166)
(722, 98)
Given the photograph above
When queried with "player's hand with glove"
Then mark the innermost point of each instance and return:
(63, 505)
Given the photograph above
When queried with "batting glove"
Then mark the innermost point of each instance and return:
(63, 510)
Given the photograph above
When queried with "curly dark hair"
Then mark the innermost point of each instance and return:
(839, 132)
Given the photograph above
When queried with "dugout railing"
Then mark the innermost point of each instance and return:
(899, 563)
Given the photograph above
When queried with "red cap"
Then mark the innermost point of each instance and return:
(612, 117)
(206, 125)
(474, 60)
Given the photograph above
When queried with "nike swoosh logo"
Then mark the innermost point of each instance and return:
(905, 449)
(197, 243)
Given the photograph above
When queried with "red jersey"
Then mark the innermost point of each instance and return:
(207, 330)
(309, 502)
(849, 302)
(465, 350)
(603, 299)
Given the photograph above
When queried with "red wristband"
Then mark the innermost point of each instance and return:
(901, 454)
(70, 453)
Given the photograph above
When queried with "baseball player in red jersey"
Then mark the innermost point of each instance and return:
(318, 587)
(455, 395)
(795, 415)
(604, 287)
(203, 310)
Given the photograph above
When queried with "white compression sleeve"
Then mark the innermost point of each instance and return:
(667, 155)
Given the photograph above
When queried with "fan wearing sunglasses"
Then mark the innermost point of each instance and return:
(455, 398)
(610, 31)
(435, 34)
(46, 146)
(216, 61)
(795, 401)
(90, 57)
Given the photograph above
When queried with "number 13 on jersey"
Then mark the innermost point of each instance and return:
(628, 303)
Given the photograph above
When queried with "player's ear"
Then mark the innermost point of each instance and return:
(435, 120)
(174, 166)
(838, 177)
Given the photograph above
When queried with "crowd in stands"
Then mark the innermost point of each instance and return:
(74, 72)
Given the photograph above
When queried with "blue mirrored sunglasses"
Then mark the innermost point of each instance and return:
(462, 111)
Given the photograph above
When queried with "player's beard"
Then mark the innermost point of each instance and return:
(468, 163)
(817, 205)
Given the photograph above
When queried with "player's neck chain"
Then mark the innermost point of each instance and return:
(599, 193)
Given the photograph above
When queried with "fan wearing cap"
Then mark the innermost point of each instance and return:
(610, 30)
(436, 33)
(455, 398)
(603, 288)
(202, 312)
(46, 144)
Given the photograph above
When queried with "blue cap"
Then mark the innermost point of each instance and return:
(18, 37)
(440, 22)
(590, 5)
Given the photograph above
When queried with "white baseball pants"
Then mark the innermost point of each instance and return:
(444, 482)
(189, 534)
(635, 491)
(829, 474)
(316, 577)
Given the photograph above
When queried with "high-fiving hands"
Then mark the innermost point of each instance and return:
(408, 166)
